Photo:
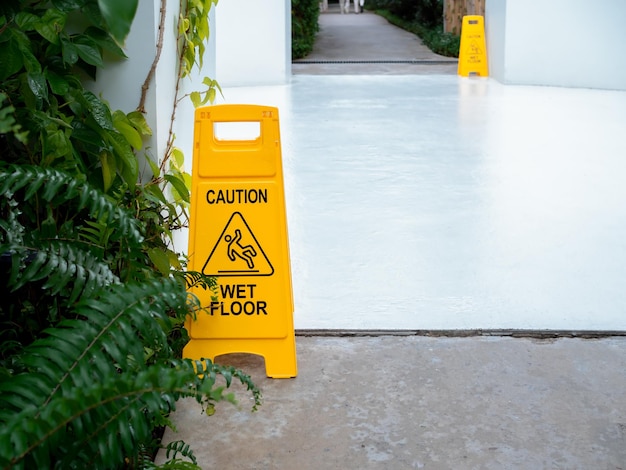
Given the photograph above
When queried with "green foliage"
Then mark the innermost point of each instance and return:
(428, 13)
(430, 31)
(86, 386)
(118, 16)
(304, 26)
(61, 123)
(89, 380)
(193, 31)
(94, 297)
(445, 44)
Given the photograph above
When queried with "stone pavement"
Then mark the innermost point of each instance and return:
(396, 400)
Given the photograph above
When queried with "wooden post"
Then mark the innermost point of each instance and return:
(455, 10)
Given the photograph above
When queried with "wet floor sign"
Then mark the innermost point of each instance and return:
(473, 48)
(238, 233)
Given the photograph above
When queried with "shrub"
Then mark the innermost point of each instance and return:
(304, 26)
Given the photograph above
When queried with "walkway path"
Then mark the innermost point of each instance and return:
(367, 44)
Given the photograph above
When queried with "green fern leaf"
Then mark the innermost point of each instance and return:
(179, 447)
(59, 187)
(63, 264)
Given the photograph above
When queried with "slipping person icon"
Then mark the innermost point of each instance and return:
(235, 249)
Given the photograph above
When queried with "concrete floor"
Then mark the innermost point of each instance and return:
(435, 202)
(424, 403)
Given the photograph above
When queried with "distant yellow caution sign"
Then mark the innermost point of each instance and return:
(238, 233)
(473, 49)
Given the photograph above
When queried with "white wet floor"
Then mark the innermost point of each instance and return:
(441, 202)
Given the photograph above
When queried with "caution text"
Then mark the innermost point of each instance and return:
(237, 196)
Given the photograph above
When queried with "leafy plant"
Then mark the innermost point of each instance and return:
(91, 387)
(94, 298)
(93, 400)
(304, 26)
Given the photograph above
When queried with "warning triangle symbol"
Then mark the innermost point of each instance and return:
(237, 252)
(474, 48)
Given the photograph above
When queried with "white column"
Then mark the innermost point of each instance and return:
(253, 42)
(572, 43)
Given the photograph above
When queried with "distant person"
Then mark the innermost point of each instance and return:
(345, 6)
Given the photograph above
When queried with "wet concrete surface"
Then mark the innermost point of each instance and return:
(424, 403)
(441, 202)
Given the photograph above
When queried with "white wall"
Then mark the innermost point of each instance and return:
(572, 43)
(253, 42)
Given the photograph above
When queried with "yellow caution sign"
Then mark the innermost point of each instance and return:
(473, 49)
(238, 233)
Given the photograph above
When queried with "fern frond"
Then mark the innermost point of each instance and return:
(179, 447)
(100, 344)
(178, 464)
(60, 263)
(198, 279)
(106, 419)
(58, 187)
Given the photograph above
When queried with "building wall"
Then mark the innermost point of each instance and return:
(253, 40)
(571, 43)
(495, 28)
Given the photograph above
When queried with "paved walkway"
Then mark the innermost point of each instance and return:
(367, 44)
(426, 201)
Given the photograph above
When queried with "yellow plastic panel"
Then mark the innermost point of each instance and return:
(238, 233)
(473, 49)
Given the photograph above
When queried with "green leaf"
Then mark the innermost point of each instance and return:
(104, 40)
(26, 21)
(160, 259)
(67, 5)
(69, 52)
(58, 84)
(196, 99)
(37, 84)
(31, 63)
(10, 60)
(51, 24)
(178, 159)
(57, 143)
(88, 50)
(179, 186)
(118, 15)
(99, 110)
(130, 133)
(138, 120)
(126, 159)
(109, 170)
(124, 127)
(156, 171)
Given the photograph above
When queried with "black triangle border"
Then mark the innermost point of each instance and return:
(242, 273)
